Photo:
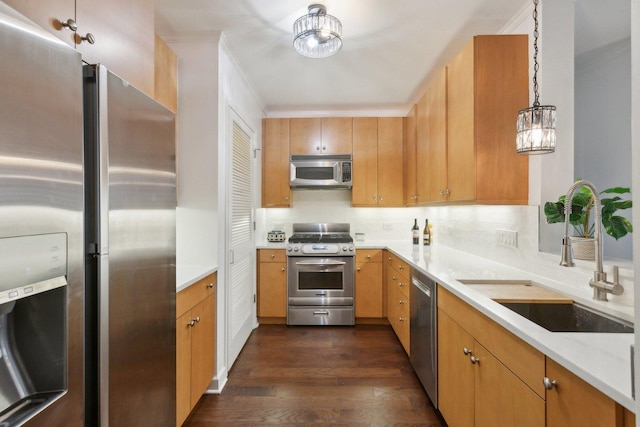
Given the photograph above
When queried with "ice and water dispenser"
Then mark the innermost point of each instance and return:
(33, 324)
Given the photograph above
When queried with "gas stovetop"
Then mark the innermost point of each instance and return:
(317, 239)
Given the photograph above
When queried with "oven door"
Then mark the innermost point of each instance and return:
(320, 281)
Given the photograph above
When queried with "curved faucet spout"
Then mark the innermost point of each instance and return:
(599, 282)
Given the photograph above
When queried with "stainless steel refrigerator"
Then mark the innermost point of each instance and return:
(130, 282)
(87, 241)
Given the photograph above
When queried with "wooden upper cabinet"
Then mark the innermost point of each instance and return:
(410, 157)
(390, 162)
(275, 163)
(337, 135)
(321, 135)
(365, 162)
(49, 14)
(165, 80)
(124, 38)
(306, 136)
(377, 161)
(486, 87)
(434, 175)
(123, 30)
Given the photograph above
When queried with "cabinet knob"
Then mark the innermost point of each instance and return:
(400, 267)
(447, 192)
(286, 197)
(317, 147)
(380, 198)
(475, 360)
(414, 197)
(394, 278)
(324, 147)
(358, 269)
(368, 256)
(70, 24)
(282, 269)
(466, 351)
(89, 38)
(197, 319)
(191, 323)
(210, 285)
(441, 192)
(389, 259)
(401, 302)
(549, 384)
(400, 284)
(374, 197)
(273, 256)
(402, 319)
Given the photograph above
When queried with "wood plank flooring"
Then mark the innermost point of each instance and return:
(337, 376)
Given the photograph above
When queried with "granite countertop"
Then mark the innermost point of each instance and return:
(188, 274)
(601, 359)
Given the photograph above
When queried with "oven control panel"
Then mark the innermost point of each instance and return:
(320, 249)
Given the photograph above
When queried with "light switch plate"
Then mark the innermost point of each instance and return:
(508, 238)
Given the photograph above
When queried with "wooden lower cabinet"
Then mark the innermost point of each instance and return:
(272, 286)
(368, 286)
(195, 343)
(476, 387)
(398, 302)
(575, 403)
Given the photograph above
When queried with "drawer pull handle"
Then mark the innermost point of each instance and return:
(282, 269)
(358, 269)
(273, 256)
(402, 319)
(549, 384)
(368, 256)
(400, 284)
(466, 351)
(210, 285)
(321, 313)
(191, 323)
(401, 302)
(197, 319)
(475, 360)
(89, 38)
(70, 24)
(401, 267)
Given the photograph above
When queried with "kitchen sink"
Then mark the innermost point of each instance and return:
(569, 317)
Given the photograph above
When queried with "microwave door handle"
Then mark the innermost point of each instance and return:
(320, 263)
(338, 178)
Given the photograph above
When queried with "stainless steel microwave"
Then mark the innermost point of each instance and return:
(321, 171)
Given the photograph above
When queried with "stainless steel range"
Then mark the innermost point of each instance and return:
(320, 275)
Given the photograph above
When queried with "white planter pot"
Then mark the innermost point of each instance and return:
(583, 248)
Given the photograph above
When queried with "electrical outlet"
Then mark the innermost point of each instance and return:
(508, 238)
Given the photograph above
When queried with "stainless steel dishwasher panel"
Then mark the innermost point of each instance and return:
(424, 333)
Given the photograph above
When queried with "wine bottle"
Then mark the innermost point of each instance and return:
(416, 232)
(426, 234)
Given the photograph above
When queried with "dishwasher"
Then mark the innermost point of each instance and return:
(424, 333)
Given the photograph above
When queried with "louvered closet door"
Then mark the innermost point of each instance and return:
(241, 256)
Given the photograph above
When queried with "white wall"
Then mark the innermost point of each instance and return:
(603, 125)
(197, 153)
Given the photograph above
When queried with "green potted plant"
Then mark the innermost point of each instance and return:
(614, 225)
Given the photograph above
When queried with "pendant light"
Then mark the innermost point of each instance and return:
(536, 125)
(317, 35)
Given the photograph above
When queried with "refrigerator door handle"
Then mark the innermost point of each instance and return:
(231, 257)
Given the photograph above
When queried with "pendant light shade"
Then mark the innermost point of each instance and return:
(536, 125)
(317, 35)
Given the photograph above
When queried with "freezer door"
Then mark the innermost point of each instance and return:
(134, 195)
(40, 194)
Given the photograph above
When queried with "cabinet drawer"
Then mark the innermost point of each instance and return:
(394, 261)
(523, 360)
(369, 255)
(398, 281)
(189, 297)
(272, 255)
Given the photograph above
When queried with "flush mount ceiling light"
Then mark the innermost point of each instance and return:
(536, 125)
(316, 34)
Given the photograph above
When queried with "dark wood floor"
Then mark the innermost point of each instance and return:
(295, 376)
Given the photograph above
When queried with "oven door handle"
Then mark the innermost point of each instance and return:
(320, 263)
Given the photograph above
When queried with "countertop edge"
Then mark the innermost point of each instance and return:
(187, 275)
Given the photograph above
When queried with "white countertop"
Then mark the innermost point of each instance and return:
(187, 275)
(600, 359)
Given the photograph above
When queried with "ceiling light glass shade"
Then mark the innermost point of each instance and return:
(536, 130)
(317, 35)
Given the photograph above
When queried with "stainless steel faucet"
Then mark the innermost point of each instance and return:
(599, 282)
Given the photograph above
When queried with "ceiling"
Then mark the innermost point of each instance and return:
(390, 47)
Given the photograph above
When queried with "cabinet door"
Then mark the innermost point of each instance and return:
(461, 164)
(365, 162)
(434, 170)
(337, 135)
(49, 14)
(574, 403)
(183, 367)
(455, 373)
(202, 347)
(368, 295)
(275, 163)
(410, 158)
(390, 162)
(501, 398)
(272, 289)
(423, 163)
(124, 38)
(306, 136)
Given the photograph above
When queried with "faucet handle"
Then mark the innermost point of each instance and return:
(616, 275)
